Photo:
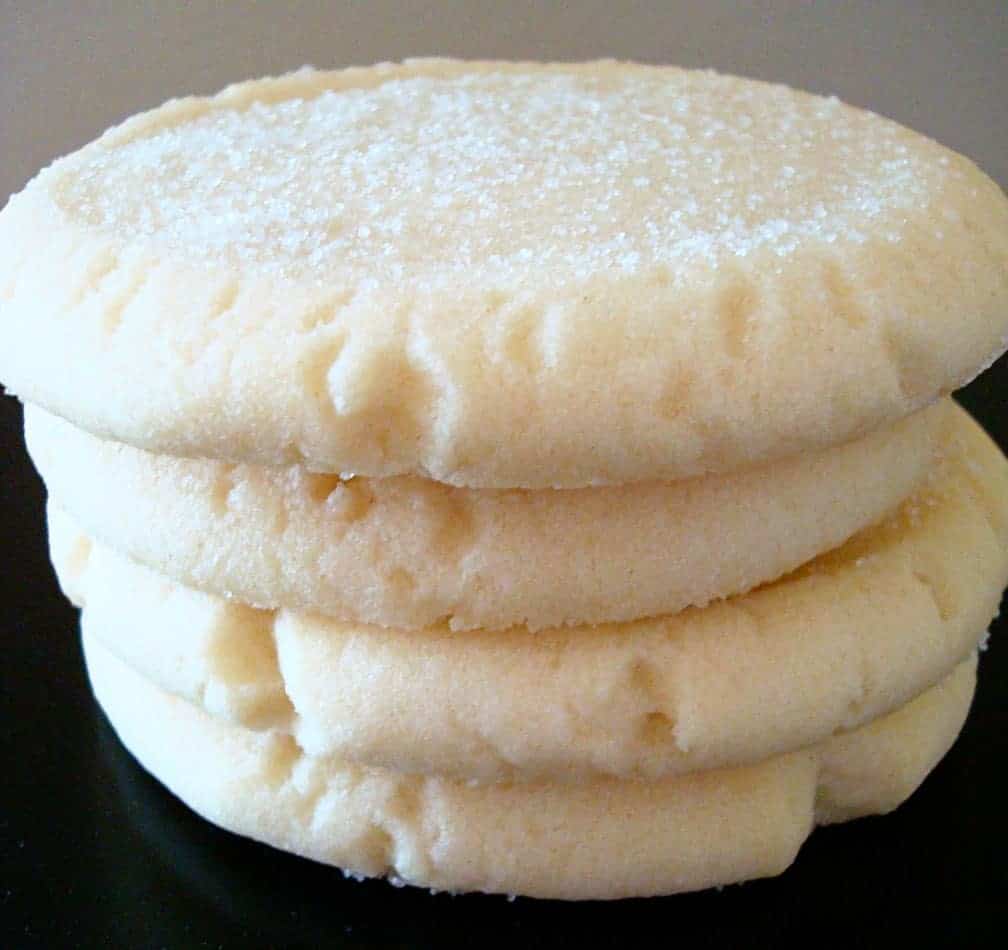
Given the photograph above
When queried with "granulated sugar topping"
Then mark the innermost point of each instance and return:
(504, 173)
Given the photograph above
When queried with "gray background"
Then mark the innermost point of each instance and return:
(70, 69)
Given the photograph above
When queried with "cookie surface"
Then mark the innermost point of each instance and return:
(850, 637)
(501, 275)
(600, 840)
(410, 553)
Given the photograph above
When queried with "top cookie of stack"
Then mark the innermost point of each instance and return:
(501, 275)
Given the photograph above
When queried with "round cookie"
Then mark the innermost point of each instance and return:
(850, 637)
(501, 275)
(410, 553)
(600, 840)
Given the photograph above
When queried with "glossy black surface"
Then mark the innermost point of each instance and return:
(93, 852)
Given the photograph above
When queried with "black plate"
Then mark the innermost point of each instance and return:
(94, 852)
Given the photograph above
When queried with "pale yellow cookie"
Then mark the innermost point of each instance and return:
(501, 275)
(602, 839)
(850, 637)
(409, 553)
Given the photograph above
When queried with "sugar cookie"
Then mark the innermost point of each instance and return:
(599, 840)
(409, 553)
(501, 275)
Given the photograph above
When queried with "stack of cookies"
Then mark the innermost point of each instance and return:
(517, 478)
